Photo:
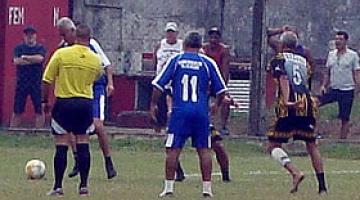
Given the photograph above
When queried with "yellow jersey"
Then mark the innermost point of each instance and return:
(74, 70)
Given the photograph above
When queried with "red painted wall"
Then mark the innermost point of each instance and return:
(123, 98)
(19, 14)
(2, 47)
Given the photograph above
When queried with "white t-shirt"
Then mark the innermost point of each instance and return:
(166, 51)
(341, 69)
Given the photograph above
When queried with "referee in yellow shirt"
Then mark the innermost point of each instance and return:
(73, 70)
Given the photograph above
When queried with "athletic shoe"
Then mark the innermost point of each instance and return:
(84, 192)
(179, 177)
(111, 172)
(75, 171)
(166, 194)
(207, 195)
(58, 192)
(323, 192)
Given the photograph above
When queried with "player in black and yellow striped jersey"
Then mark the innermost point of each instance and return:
(296, 111)
(306, 109)
(73, 70)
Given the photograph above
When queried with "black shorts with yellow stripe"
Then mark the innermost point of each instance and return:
(296, 127)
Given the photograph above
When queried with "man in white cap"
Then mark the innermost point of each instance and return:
(168, 47)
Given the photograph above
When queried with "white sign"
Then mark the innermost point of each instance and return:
(16, 15)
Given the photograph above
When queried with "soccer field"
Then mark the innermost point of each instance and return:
(140, 167)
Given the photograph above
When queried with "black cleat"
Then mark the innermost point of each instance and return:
(226, 179)
(75, 171)
(58, 192)
(225, 176)
(111, 172)
(84, 192)
(179, 177)
(207, 195)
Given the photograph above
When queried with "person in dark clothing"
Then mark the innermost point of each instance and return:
(28, 58)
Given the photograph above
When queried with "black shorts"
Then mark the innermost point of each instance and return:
(161, 115)
(23, 89)
(72, 115)
(296, 127)
(344, 98)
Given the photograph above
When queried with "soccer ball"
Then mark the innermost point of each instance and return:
(35, 169)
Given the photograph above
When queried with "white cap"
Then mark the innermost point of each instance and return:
(171, 26)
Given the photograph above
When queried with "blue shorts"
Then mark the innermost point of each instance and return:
(185, 124)
(99, 102)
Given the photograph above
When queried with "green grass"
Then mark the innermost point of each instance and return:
(140, 167)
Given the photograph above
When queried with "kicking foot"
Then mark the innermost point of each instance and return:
(297, 179)
(58, 192)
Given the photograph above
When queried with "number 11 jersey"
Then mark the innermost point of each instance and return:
(192, 76)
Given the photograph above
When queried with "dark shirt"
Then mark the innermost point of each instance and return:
(29, 73)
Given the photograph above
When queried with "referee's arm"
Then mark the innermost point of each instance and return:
(51, 72)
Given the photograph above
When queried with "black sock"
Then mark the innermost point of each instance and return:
(108, 161)
(321, 180)
(179, 170)
(225, 174)
(60, 162)
(75, 155)
(225, 171)
(84, 163)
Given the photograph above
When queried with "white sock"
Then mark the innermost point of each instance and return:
(168, 188)
(207, 187)
(169, 185)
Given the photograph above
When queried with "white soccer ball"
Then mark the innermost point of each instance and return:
(35, 169)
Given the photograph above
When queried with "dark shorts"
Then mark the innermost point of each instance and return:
(298, 128)
(21, 93)
(161, 115)
(72, 115)
(344, 98)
